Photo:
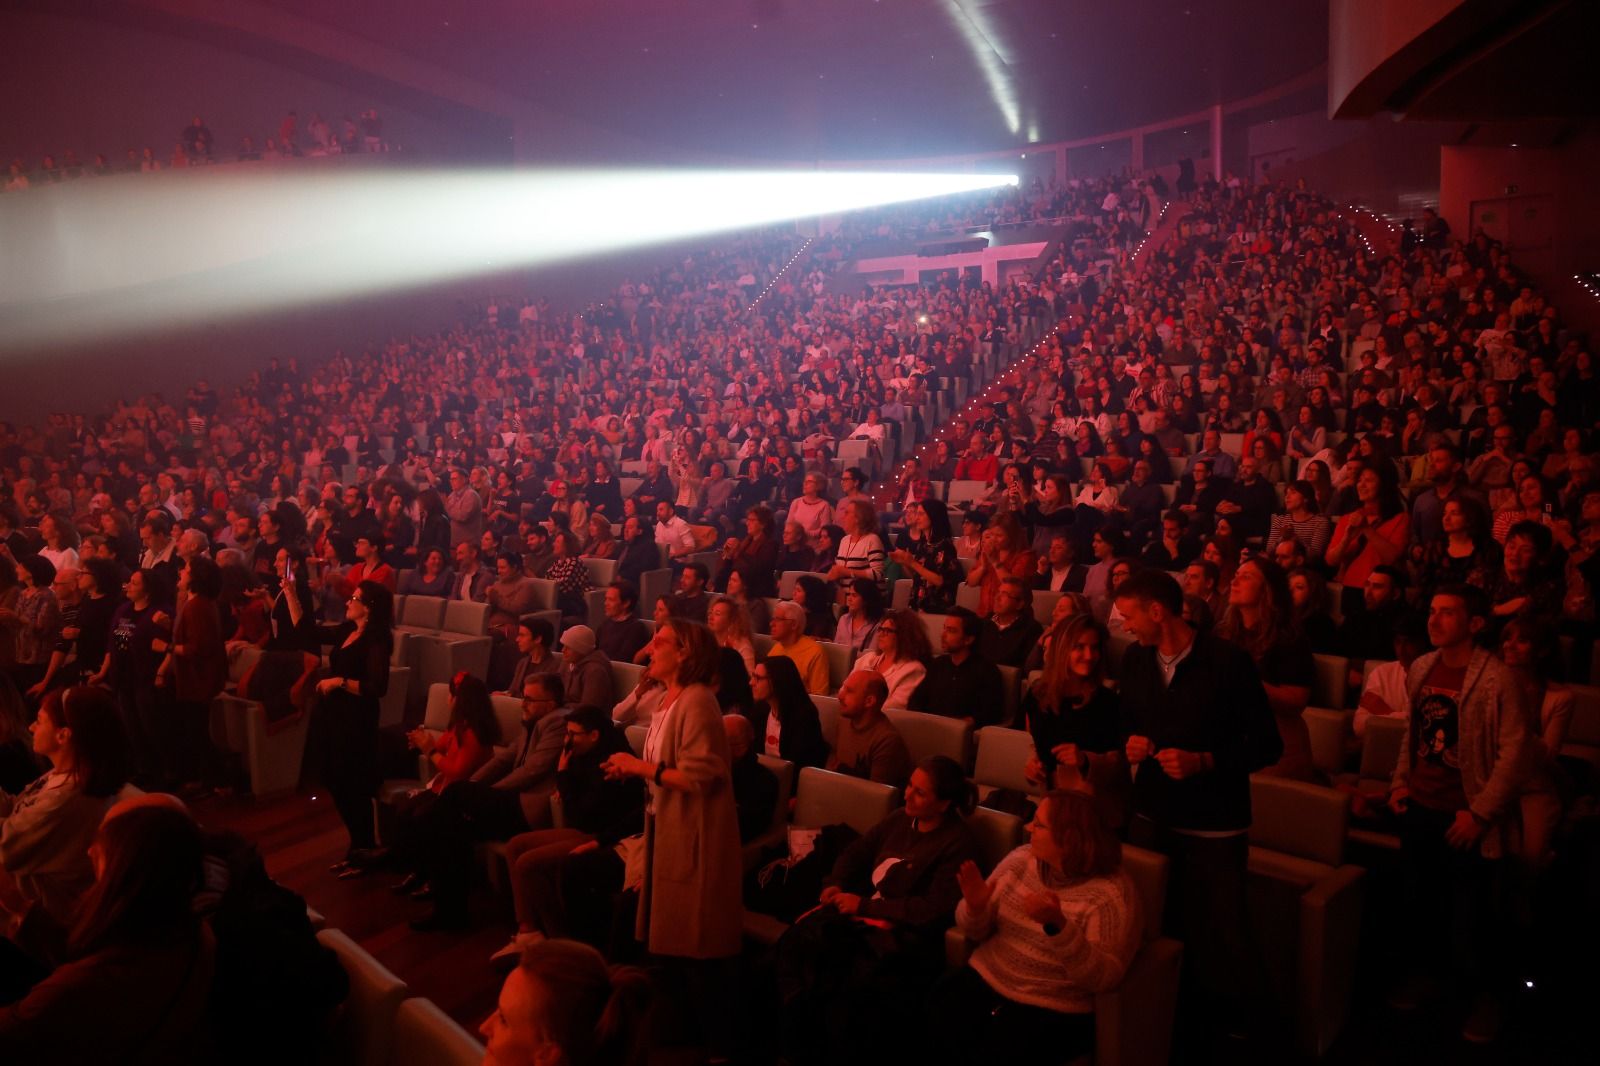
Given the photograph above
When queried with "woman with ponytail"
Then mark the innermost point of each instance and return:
(564, 1005)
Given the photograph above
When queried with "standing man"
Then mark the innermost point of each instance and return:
(1456, 787)
(465, 508)
(1198, 726)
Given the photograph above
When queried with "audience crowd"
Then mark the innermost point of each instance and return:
(1252, 451)
(196, 146)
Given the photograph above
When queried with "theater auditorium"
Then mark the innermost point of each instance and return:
(745, 531)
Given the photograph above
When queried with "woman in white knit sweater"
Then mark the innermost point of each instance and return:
(1056, 922)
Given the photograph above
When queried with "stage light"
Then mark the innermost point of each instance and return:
(137, 252)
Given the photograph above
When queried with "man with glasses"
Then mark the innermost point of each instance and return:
(853, 480)
(509, 794)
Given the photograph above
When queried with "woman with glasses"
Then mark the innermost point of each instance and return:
(785, 719)
(347, 714)
(900, 656)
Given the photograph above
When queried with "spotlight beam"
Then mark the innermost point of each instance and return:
(176, 248)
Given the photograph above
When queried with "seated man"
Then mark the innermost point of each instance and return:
(509, 794)
(961, 683)
(585, 670)
(868, 744)
(691, 600)
(622, 633)
(789, 633)
(1011, 632)
(1250, 501)
(1057, 571)
(596, 813)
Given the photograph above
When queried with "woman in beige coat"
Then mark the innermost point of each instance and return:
(689, 902)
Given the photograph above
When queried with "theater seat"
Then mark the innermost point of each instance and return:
(272, 757)
(424, 1035)
(998, 834)
(1304, 906)
(636, 735)
(828, 717)
(840, 656)
(777, 831)
(624, 678)
(927, 735)
(1583, 734)
(1330, 737)
(1330, 681)
(392, 708)
(1133, 1022)
(363, 1031)
(1002, 755)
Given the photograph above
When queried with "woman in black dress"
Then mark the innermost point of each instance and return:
(347, 713)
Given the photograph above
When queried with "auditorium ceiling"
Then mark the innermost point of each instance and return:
(839, 79)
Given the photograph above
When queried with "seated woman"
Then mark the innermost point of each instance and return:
(849, 969)
(432, 578)
(785, 720)
(563, 1003)
(901, 655)
(1308, 593)
(816, 598)
(1057, 922)
(864, 606)
(46, 829)
(731, 625)
(140, 963)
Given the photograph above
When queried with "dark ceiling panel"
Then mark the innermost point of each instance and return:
(850, 78)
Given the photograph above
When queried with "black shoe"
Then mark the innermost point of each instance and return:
(339, 867)
(410, 884)
(422, 892)
(440, 921)
(352, 871)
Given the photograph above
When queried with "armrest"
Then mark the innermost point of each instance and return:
(957, 948)
(1133, 1022)
(1330, 933)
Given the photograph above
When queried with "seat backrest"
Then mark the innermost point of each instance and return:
(900, 594)
(424, 1035)
(1380, 746)
(544, 594)
(465, 616)
(363, 1031)
(840, 656)
(508, 712)
(786, 582)
(624, 676)
(1298, 818)
(436, 715)
(933, 625)
(1002, 755)
(968, 596)
(1148, 871)
(1010, 692)
(1585, 725)
(824, 798)
(1044, 605)
(927, 735)
(1119, 643)
(963, 492)
(1329, 732)
(997, 834)
(761, 644)
(423, 612)
(653, 584)
(783, 770)
(828, 714)
(636, 735)
(602, 572)
(1330, 680)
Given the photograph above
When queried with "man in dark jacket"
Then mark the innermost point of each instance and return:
(1198, 726)
(595, 813)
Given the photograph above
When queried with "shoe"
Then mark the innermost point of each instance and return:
(352, 871)
(1483, 1024)
(410, 884)
(515, 947)
(423, 892)
(440, 922)
(339, 867)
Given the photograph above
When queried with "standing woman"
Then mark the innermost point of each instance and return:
(1259, 619)
(35, 621)
(689, 897)
(1073, 719)
(935, 570)
(1530, 650)
(754, 557)
(195, 669)
(1371, 535)
(130, 666)
(358, 678)
(859, 553)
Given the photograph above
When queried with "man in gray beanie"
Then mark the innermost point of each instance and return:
(585, 670)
